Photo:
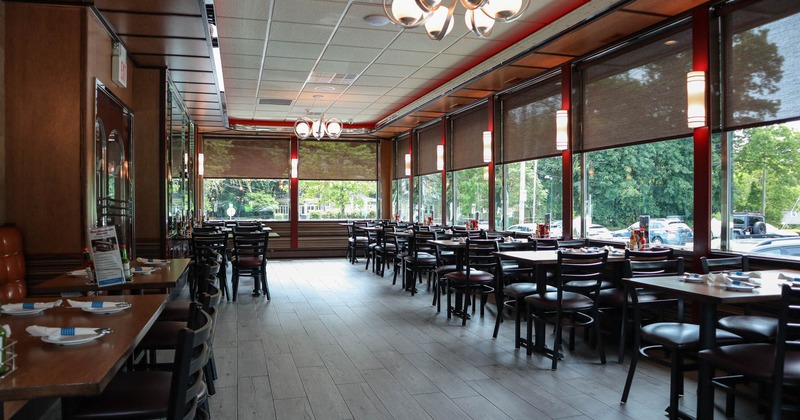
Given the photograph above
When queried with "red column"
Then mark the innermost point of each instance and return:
(702, 140)
(444, 171)
(410, 176)
(492, 210)
(566, 155)
(294, 201)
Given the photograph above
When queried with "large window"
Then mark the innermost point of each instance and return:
(470, 176)
(246, 179)
(471, 196)
(533, 191)
(428, 183)
(401, 188)
(337, 180)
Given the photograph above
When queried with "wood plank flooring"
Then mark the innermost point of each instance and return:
(339, 342)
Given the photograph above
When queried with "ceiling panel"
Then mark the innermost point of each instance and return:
(193, 77)
(242, 28)
(169, 46)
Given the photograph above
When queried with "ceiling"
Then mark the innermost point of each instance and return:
(277, 55)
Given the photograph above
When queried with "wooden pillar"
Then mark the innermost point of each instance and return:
(702, 140)
(566, 155)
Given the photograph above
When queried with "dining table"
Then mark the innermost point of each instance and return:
(49, 368)
(167, 275)
(709, 297)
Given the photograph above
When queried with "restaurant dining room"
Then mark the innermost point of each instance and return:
(400, 209)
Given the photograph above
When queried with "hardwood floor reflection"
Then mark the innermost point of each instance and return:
(337, 341)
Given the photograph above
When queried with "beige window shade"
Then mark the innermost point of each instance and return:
(467, 143)
(250, 159)
(427, 140)
(337, 160)
(529, 121)
(637, 95)
(400, 150)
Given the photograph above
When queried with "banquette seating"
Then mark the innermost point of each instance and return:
(12, 264)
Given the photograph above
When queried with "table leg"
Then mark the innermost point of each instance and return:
(705, 391)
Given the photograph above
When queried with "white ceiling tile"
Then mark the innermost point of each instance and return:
(245, 9)
(237, 73)
(293, 50)
(354, 54)
(337, 66)
(309, 12)
(409, 58)
(310, 34)
(283, 63)
(242, 28)
(241, 46)
(390, 70)
(283, 76)
(240, 61)
(363, 37)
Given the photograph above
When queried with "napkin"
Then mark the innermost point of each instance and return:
(782, 276)
(151, 261)
(508, 239)
(31, 305)
(38, 331)
(752, 274)
(79, 273)
(448, 231)
(717, 279)
(94, 304)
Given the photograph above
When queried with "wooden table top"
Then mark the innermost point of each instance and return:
(770, 289)
(50, 370)
(548, 256)
(164, 278)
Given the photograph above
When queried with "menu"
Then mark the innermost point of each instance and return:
(106, 256)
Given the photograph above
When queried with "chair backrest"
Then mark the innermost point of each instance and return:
(247, 228)
(571, 243)
(582, 271)
(12, 264)
(479, 254)
(204, 243)
(653, 268)
(248, 223)
(206, 229)
(418, 244)
(546, 244)
(737, 263)
(788, 336)
(209, 268)
(247, 245)
(191, 355)
(650, 254)
(214, 223)
(517, 246)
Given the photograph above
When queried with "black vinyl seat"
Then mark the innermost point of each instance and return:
(475, 277)
(250, 259)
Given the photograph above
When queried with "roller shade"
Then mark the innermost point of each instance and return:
(400, 150)
(529, 121)
(337, 160)
(637, 95)
(467, 143)
(250, 159)
(427, 140)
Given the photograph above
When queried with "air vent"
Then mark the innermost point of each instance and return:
(212, 23)
(274, 101)
(332, 78)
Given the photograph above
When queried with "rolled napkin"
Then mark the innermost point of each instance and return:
(95, 304)
(782, 276)
(718, 279)
(508, 239)
(31, 305)
(151, 261)
(38, 331)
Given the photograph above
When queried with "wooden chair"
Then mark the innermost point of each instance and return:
(421, 259)
(776, 366)
(580, 304)
(475, 278)
(154, 394)
(250, 259)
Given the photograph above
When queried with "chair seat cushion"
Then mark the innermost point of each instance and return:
(681, 335)
(250, 261)
(141, 394)
(177, 310)
(421, 259)
(444, 269)
(754, 360)
(518, 290)
(474, 276)
(755, 329)
(570, 301)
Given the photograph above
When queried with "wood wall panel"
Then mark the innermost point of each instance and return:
(43, 121)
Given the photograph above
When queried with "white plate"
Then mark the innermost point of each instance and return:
(78, 273)
(142, 270)
(71, 340)
(151, 261)
(103, 311)
(740, 288)
(34, 311)
(693, 279)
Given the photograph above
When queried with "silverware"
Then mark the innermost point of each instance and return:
(103, 331)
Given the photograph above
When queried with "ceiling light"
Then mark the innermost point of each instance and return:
(437, 15)
(376, 20)
(305, 126)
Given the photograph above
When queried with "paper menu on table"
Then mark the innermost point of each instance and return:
(105, 254)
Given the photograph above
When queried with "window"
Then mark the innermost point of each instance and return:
(401, 189)
(533, 191)
(255, 187)
(428, 182)
(469, 171)
(337, 180)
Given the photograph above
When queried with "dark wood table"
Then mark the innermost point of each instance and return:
(166, 277)
(709, 297)
(50, 370)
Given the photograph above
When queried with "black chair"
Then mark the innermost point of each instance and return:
(356, 241)
(250, 259)
(208, 269)
(752, 328)
(421, 259)
(154, 394)
(217, 242)
(571, 243)
(385, 250)
(679, 339)
(578, 268)
(775, 366)
(474, 278)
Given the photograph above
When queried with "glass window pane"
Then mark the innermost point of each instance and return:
(327, 200)
(533, 190)
(471, 197)
(401, 199)
(430, 197)
(261, 199)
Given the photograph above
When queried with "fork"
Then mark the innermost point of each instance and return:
(103, 331)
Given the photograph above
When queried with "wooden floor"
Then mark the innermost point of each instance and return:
(337, 341)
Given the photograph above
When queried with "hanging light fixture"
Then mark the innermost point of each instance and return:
(305, 126)
(562, 129)
(696, 99)
(437, 16)
(439, 157)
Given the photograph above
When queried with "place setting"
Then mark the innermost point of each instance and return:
(152, 261)
(27, 308)
(99, 307)
(67, 336)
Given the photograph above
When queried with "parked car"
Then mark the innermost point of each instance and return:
(524, 227)
(779, 246)
(748, 223)
(662, 231)
(595, 231)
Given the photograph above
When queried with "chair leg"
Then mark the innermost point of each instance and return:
(675, 383)
(599, 336)
(499, 318)
(622, 329)
(264, 285)
(557, 342)
(529, 336)
(629, 379)
(235, 285)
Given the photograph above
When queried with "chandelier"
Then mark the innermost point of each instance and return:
(306, 126)
(438, 18)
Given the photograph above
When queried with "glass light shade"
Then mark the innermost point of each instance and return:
(302, 127)
(562, 129)
(440, 23)
(406, 13)
(334, 128)
(505, 10)
(318, 129)
(440, 157)
(487, 146)
(408, 164)
(696, 99)
(429, 5)
(479, 23)
(201, 164)
(472, 4)
(294, 168)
